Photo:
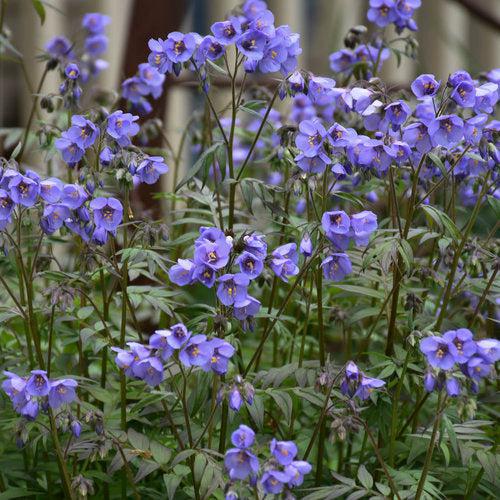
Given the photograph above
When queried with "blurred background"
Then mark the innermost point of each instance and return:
(453, 34)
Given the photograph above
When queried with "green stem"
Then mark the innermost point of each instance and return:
(66, 482)
(32, 114)
(458, 254)
(428, 457)
(395, 408)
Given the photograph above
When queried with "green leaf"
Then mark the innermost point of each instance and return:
(383, 488)
(40, 9)
(172, 482)
(138, 440)
(284, 402)
(161, 454)
(365, 478)
(182, 456)
(203, 161)
(361, 290)
(442, 220)
(145, 469)
(84, 312)
(437, 161)
(256, 411)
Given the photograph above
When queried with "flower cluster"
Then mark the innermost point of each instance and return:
(145, 362)
(30, 394)
(264, 48)
(451, 121)
(456, 355)
(357, 384)
(340, 229)
(79, 67)
(397, 12)
(213, 254)
(61, 204)
(280, 471)
(236, 393)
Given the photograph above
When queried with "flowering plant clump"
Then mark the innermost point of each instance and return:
(312, 312)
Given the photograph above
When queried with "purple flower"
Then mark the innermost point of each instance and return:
(296, 472)
(240, 463)
(306, 247)
(429, 382)
(336, 266)
(446, 130)
(127, 360)
(59, 46)
(196, 352)
(150, 75)
(108, 213)
(438, 352)
(464, 94)
(213, 254)
(121, 127)
(82, 132)
(489, 349)
(62, 392)
(381, 12)
(222, 352)
(313, 165)
(336, 222)
(151, 168)
(182, 273)
(473, 128)
(367, 386)
(72, 71)
(397, 113)
(134, 89)
(227, 31)
(150, 370)
(416, 135)
(310, 137)
(71, 153)
(363, 225)
(321, 90)
(459, 77)
(38, 384)
(453, 387)
(461, 340)
(179, 47)
(284, 261)
(177, 335)
(106, 156)
(51, 190)
(6, 205)
(478, 368)
(73, 196)
(486, 98)
(235, 399)
(232, 288)
(205, 275)
(246, 310)
(296, 83)
(158, 57)
(53, 218)
(95, 22)
(342, 60)
(252, 44)
(283, 451)
(159, 342)
(24, 190)
(250, 264)
(273, 481)
(340, 137)
(76, 428)
(15, 388)
(96, 44)
(256, 244)
(210, 48)
(425, 86)
(243, 437)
